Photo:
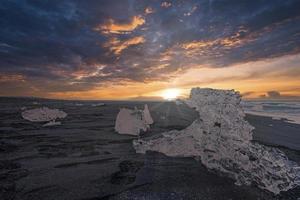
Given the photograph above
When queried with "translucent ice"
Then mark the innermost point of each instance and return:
(222, 140)
(133, 121)
(43, 114)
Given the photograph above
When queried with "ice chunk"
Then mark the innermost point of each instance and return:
(43, 114)
(221, 139)
(133, 121)
(129, 122)
(147, 115)
(52, 123)
(98, 104)
(23, 108)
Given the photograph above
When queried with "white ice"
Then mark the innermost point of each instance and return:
(131, 122)
(52, 123)
(98, 104)
(222, 140)
(23, 108)
(43, 114)
(147, 116)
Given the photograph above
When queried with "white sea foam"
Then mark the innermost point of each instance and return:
(275, 109)
(222, 140)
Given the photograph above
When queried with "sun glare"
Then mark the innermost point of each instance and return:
(171, 94)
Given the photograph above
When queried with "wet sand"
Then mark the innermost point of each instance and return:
(85, 159)
(275, 132)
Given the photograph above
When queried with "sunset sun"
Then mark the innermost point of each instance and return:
(171, 94)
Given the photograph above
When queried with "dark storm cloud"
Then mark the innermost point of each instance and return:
(77, 45)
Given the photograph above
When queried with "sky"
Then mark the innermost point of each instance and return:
(139, 49)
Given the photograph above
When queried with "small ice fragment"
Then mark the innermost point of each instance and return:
(97, 104)
(52, 123)
(23, 108)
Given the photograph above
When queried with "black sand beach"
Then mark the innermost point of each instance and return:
(85, 159)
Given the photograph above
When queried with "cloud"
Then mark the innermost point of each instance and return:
(258, 77)
(121, 28)
(149, 10)
(11, 78)
(273, 94)
(147, 98)
(57, 47)
(247, 94)
(262, 96)
(212, 50)
(277, 95)
(118, 46)
(197, 44)
(191, 11)
(166, 4)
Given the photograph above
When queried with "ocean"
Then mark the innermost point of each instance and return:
(277, 109)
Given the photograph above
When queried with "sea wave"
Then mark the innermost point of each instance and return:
(289, 110)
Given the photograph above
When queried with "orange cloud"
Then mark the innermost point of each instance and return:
(11, 77)
(121, 28)
(208, 47)
(122, 90)
(118, 46)
(234, 40)
(197, 44)
(257, 76)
